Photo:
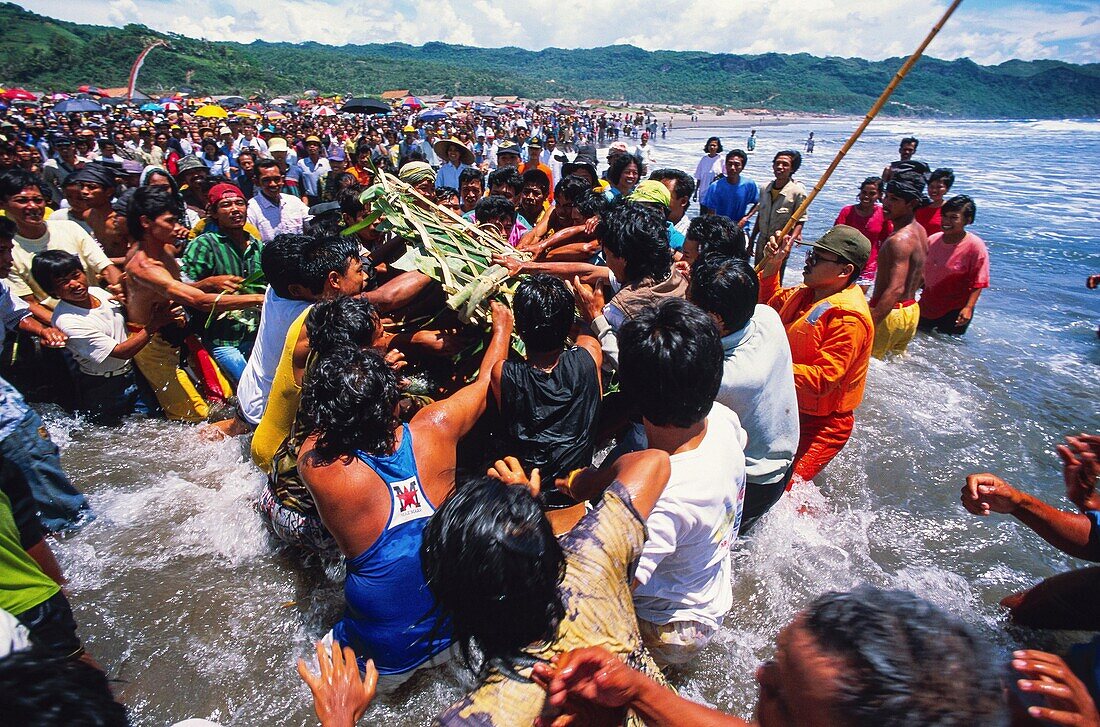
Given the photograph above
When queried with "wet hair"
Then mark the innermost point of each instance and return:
(796, 158)
(281, 261)
(42, 689)
(725, 286)
(544, 310)
(150, 202)
(494, 207)
(15, 180)
(718, 234)
(910, 140)
(591, 203)
(946, 174)
(349, 399)
(323, 255)
(571, 188)
(7, 229)
(906, 662)
(740, 154)
(343, 322)
(713, 138)
(336, 183)
(685, 184)
(470, 174)
(961, 203)
(492, 563)
(639, 235)
(49, 266)
(538, 178)
(877, 181)
(349, 201)
(507, 177)
(670, 362)
(618, 165)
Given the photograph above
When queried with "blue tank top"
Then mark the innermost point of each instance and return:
(390, 615)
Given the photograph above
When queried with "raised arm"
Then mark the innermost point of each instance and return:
(189, 295)
(644, 474)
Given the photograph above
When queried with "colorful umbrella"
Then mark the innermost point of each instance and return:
(246, 114)
(274, 116)
(18, 94)
(212, 111)
(58, 96)
(279, 102)
(412, 102)
(171, 106)
(151, 107)
(324, 111)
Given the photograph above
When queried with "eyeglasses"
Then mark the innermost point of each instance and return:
(813, 257)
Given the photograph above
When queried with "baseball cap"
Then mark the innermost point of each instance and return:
(847, 242)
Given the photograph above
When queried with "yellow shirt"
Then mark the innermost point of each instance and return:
(60, 235)
(282, 402)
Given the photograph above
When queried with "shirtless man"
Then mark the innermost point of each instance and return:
(894, 308)
(153, 278)
(906, 150)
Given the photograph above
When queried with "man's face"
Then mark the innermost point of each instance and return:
(75, 196)
(337, 166)
(895, 207)
(247, 163)
(6, 262)
(507, 160)
(67, 152)
(369, 235)
(426, 187)
(690, 250)
(470, 193)
(164, 229)
(551, 143)
(231, 213)
(501, 225)
(162, 140)
(823, 268)
(781, 167)
(94, 195)
(352, 282)
(907, 150)
(72, 287)
(249, 132)
(567, 210)
(799, 687)
(271, 182)
(677, 205)
(26, 207)
(503, 190)
(195, 179)
(7, 158)
(734, 165)
(314, 149)
(531, 199)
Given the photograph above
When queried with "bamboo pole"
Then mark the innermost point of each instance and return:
(867, 119)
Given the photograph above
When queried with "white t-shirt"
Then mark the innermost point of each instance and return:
(60, 235)
(274, 219)
(758, 384)
(93, 333)
(255, 385)
(684, 571)
(707, 169)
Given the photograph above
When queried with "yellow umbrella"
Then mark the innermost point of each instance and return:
(212, 111)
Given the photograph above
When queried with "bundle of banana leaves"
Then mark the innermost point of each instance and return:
(442, 245)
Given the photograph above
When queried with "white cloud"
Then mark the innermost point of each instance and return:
(874, 30)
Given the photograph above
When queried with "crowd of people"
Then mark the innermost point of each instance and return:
(649, 394)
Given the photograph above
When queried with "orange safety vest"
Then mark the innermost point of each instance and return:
(812, 330)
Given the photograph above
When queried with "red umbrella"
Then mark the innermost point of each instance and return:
(412, 102)
(18, 94)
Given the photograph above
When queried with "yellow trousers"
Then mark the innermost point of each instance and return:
(896, 330)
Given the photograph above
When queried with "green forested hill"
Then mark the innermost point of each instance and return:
(43, 53)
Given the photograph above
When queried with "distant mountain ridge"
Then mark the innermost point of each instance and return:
(44, 53)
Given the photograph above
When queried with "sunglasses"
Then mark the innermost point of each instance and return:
(813, 257)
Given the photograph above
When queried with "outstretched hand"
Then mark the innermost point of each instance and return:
(985, 493)
(340, 695)
(1080, 469)
(510, 472)
(1067, 699)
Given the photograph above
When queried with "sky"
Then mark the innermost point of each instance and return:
(986, 31)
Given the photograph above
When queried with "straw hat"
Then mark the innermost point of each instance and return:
(441, 147)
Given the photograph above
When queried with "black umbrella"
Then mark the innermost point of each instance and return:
(232, 101)
(365, 106)
(77, 105)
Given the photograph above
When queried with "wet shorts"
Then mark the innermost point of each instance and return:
(676, 642)
(296, 528)
(897, 329)
(52, 627)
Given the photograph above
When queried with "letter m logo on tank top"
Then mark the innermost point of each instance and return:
(409, 502)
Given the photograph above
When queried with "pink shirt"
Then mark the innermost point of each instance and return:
(951, 272)
(875, 228)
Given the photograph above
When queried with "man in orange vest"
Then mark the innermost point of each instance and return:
(830, 331)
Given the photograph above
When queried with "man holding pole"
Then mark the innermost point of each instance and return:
(829, 328)
(900, 272)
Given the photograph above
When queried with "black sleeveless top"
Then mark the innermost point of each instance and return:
(549, 418)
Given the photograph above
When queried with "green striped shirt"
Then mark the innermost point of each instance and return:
(212, 253)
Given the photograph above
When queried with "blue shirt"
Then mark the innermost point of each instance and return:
(448, 174)
(675, 237)
(12, 406)
(310, 173)
(730, 200)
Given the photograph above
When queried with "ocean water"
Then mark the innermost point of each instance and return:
(195, 611)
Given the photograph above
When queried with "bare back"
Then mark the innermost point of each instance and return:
(900, 266)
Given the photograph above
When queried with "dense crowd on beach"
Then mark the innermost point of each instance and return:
(548, 494)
